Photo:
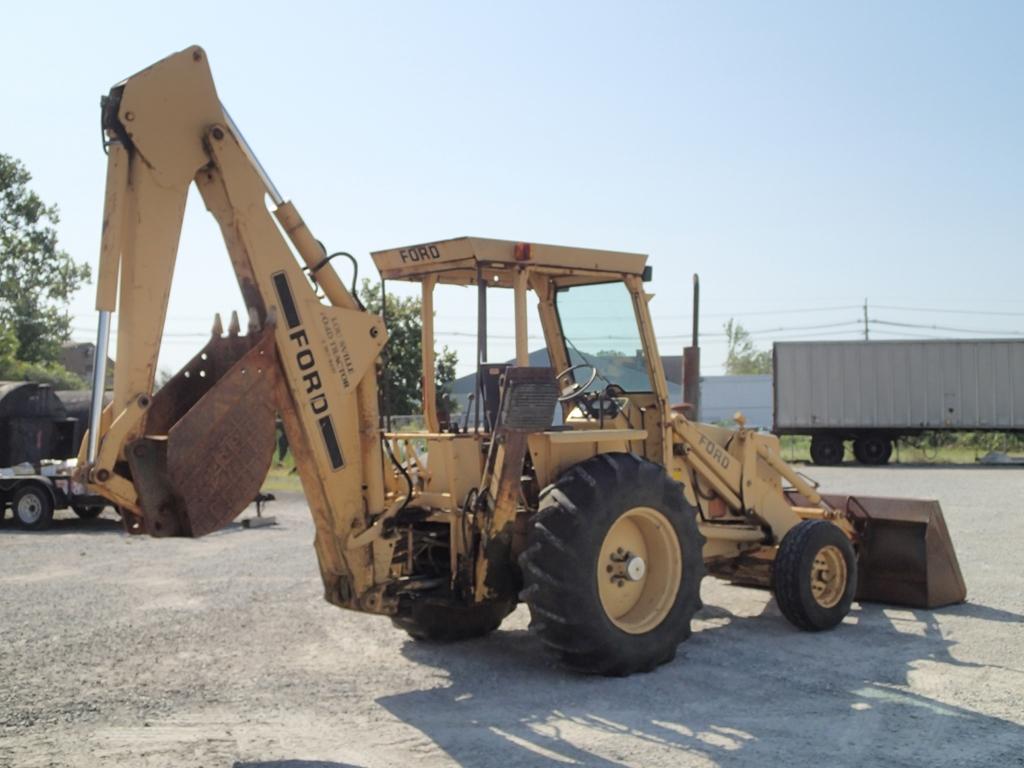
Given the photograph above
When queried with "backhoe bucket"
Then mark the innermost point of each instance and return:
(210, 437)
(904, 555)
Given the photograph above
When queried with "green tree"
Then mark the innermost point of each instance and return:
(402, 359)
(37, 278)
(13, 369)
(743, 357)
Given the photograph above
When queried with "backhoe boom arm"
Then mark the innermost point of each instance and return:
(311, 362)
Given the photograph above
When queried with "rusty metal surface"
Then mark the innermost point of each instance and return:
(904, 554)
(210, 437)
(162, 513)
(131, 522)
(219, 452)
(195, 379)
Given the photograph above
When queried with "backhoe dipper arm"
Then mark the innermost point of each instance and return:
(172, 460)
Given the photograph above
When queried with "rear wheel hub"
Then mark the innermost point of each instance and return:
(639, 570)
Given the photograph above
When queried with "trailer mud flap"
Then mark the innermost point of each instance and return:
(210, 437)
(905, 555)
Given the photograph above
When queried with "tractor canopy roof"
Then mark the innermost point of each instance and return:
(464, 260)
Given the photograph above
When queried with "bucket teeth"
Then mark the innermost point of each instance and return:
(253, 325)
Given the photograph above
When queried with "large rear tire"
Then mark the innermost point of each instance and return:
(88, 512)
(814, 575)
(613, 565)
(440, 620)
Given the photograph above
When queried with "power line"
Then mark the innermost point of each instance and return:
(174, 335)
(798, 310)
(764, 331)
(989, 332)
(950, 311)
(788, 332)
(909, 334)
(817, 334)
(791, 311)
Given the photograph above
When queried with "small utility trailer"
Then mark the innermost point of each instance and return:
(34, 491)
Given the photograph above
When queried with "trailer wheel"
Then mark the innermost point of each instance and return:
(33, 508)
(88, 513)
(612, 566)
(827, 450)
(814, 575)
(873, 451)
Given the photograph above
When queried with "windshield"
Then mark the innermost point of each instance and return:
(600, 329)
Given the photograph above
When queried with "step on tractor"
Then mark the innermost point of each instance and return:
(574, 487)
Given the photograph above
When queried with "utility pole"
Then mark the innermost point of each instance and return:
(866, 338)
(691, 358)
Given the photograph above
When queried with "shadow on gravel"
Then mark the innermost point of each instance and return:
(742, 691)
(983, 612)
(63, 525)
(293, 764)
(100, 525)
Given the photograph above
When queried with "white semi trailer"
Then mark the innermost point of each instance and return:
(872, 392)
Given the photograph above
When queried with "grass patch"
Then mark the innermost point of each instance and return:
(281, 478)
(928, 448)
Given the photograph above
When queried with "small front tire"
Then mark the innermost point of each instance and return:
(814, 575)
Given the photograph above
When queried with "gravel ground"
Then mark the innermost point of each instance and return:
(220, 652)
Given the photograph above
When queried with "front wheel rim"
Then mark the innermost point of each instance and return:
(30, 509)
(828, 576)
(639, 570)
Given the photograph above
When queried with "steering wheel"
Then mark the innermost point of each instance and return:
(571, 393)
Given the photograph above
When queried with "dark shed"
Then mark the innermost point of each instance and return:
(77, 403)
(34, 424)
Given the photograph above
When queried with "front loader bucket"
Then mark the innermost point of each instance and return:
(210, 437)
(904, 555)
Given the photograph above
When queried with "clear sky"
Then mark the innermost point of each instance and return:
(800, 156)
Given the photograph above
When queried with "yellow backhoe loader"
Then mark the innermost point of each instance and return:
(575, 488)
